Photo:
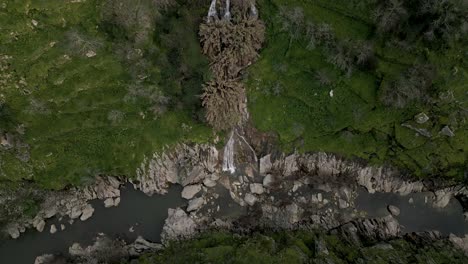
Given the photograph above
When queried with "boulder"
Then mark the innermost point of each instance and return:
(342, 204)
(265, 164)
(117, 201)
(109, 202)
(395, 211)
(209, 183)
(442, 198)
(256, 188)
(190, 191)
(446, 131)
(195, 204)
(250, 199)
(40, 225)
(87, 213)
(45, 259)
(268, 180)
(421, 118)
(141, 245)
(460, 242)
(13, 231)
(177, 225)
(53, 229)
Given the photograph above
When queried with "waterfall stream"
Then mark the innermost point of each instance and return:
(228, 156)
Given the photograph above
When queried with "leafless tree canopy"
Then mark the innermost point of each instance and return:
(231, 45)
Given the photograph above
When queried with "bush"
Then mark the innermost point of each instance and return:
(225, 103)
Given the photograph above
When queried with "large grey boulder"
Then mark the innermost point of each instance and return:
(256, 188)
(268, 180)
(195, 204)
(250, 199)
(190, 191)
(265, 164)
(87, 212)
(178, 225)
(395, 211)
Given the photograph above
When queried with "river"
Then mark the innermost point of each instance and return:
(146, 215)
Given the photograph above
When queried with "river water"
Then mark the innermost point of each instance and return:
(418, 215)
(146, 215)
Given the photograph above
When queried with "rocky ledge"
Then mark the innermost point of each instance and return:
(275, 191)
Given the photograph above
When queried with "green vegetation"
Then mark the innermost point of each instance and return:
(299, 247)
(91, 87)
(349, 77)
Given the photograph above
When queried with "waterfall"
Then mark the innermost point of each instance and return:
(228, 157)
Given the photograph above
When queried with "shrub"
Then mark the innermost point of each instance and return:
(225, 103)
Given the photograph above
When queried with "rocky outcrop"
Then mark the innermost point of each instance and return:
(73, 203)
(184, 165)
(178, 225)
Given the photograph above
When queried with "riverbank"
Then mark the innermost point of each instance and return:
(270, 192)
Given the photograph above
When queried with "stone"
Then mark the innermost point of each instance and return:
(465, 215)
(40, 225)
(296, 186)
(117, 201)
(75, 212)
(268, 180)
(209, 183)
(177, 225)
(319, 197)
(290, 165)
(87, 213)
(265, 164)
(460, 242)
(142, 245)
(411, 201)
(34, 22)
(109, 202)
(13, 231)
(342, 204)
(190, 191)
(53, 229)
(421, 118)
(446, 131)
(395, 211)
(442, 198)
(195, 204)
(90, 53)
(250, 199)
(256, 188)
(45, 259)
(249, 172)
(62, 227)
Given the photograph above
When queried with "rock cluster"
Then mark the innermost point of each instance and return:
(185, 165)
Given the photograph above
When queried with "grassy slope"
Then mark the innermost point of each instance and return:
(285, 96)
(298, 247)
(73, 138)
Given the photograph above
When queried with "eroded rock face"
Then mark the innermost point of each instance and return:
(185, 165)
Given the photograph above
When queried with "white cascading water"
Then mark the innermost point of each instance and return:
(228, 157)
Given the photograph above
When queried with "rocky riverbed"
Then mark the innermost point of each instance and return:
(270, 191)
